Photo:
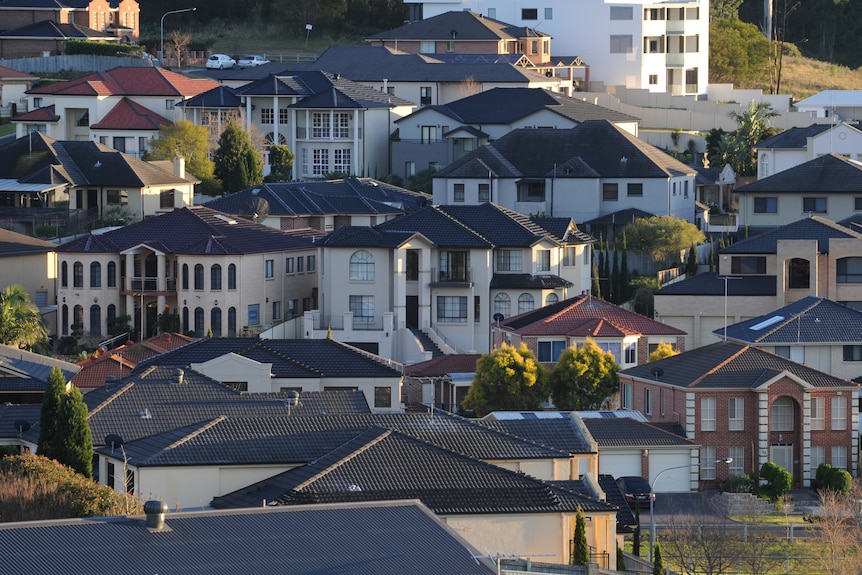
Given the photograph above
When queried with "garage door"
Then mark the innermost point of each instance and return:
(675, 480)
(618, 463)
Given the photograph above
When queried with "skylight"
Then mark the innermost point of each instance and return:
(767, 322)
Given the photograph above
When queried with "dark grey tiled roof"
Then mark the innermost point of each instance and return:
(446, 482)
(729, 365)
(810, 228)
(712, 284)
(15, 244)
(527, 281)
(35, 365)
(51, 30)
(383, 538)
(626, 522)
(501, 226)
(792, 138)
(619, 218)
(809, 320)
(560, 228)
(12, 416)
(221, 97)
(466, 25)
(830, 173)
(625, 432)
(561, 433)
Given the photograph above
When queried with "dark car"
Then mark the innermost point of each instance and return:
(636, 490)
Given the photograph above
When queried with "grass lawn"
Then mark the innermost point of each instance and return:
(6, 129)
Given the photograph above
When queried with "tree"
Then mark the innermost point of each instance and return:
(838, 540)
(662, 350)
(584, 377)
(691, 262)
(169, 322)
(506, 379)
(596, 286)
(49, 416)
(738, 52)
(186, 140)
(20, 322)
(658, 562)
(663, 237)
(581, 555)
(75, 441)
(280, 163)
(180, 40)
(625, 274)
(778, 480)
(237, 164)
(752, 126)
(621, 559)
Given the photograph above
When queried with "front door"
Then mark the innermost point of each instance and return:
(782, 455)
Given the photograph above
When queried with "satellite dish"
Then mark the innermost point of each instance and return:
(114, 440)
(22, 425)
(498, 317)
(657, 372)
(255, 208)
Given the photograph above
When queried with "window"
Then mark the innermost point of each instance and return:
(276, 310)
(231, 276)
(653, 80)
(529, 13)
(551, 298)
(814, 205)
(781, 415)
(853, 353)
(531, 191)
(185, 276)
(707, 414)
(288, 265)
(525, 303)
(452, 309)
(736, 414)
(428, 134)
(764, 166)
(707, 463)
(362, 307)
(311, 262)
(549, 13)
(621, 44)
(199, 277)
(622, 13)
(765, 205)
(427, 47)
(300, 264)
(412, 265)
(509, 260)
(425, 95)
(269, 269)
(320, 124)
(857, 204)
(112, 274)
(648, 401)
(610, 192)
(550, 351)
(254, 314)
(818, 413)
(95, 275)
(839, 413)
(484, 192)
(737, 466)
(166, 199)
(626, 396)
(169, 104)
(799, 273)
(267, 116)
(839, 456)
(78, 275)
(477, 308)
(64, 274)
(748, 265)
(382, 396)
(454, 266)
(570, 255)
(95, 320)
(199, 322)
(685, 189)
(818, 456)
(634, 190)
(503, 304)
(118, 197)
(215, 277)
(631, 352)
(848, 271)
(119, 144)
(458, 193)
(320, 162)
(362, 266)
(215, 321)
(231, 322)
(341, 160)
(492, 13)
(543, 261)
(450, 45)
(534, 47)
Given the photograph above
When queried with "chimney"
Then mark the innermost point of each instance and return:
(155, 511)
(178, 375)
(180, 167)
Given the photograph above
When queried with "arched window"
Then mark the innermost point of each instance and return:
(503, 304)
(270, 139)
(112, 274)
(525, 303)
(215, 278)
(185, 320)
(95, 320)
(64, 274)
(231, 322)
(215, 321)
(551, 298)
(65, 319)
(95, 275)
(78, 275)
(764, 166)
(111, 317)
(199, 322)
(78, 317)
(199, 277)
(185, 276)
(781, 414)
(231, 276)
(362, 266)
(799, 273)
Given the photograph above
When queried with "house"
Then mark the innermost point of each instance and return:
(439, 134)
(35, 265)
(365, 538)
(53, 187)
(643, 45)
(797, 145)
(548, 331)
(13, 85)
(817, 332)
(119, 19)
(329, 122)
(224, 275)
(813, 256)
(445, 271)
(123, 107)
(321, 205)
(24, 375)
(594, 169)
(750, 405)
(840, 105)
(442, 381)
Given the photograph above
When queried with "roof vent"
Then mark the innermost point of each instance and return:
(353, 487)
(21, 426)
(110, 380)
(114, 440)
(177, 376)
(657, 372)
(145, 414)
(624, 160)
(155, 511)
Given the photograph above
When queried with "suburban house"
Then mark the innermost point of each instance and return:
(813, 256)
(13, 85)
(649, 45)
(814, 331)
(797, 145)
(24, 375)
(436, 135)
(323, 205)
(123, 107)
(839, 105)
(35, 265)
(330, 123)
(593, 170)
(444, 271)
(442, 381)
(367, 538)
(750, 405)
(54, 187)
(548, 331)
(224, 275)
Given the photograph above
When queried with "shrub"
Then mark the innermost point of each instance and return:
(778, 480)
(739, 484)
(828, 478)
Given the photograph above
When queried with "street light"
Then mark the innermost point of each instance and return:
(162, 27)
(727, 460)
(725, 278)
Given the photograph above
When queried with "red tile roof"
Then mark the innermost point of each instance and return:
(12, 74)
(129, 81)
(45, 114)
(129, 115)
(441, 365)
(120, 361)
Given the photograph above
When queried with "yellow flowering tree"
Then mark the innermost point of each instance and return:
(584, 377)
(506, 379)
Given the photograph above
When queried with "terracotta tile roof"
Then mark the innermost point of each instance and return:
(13, 243)
(129, 115)
(129, 81)
(12, 74)
(46, 114)
(444, 364)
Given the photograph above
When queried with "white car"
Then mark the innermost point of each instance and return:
(252, 60)
(220, 62)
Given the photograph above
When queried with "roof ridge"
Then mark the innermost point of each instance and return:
(195, 433)
(110, 399)
(695, 382)
(382, 433)
(793, 317)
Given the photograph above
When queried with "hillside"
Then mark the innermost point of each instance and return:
(802, 77)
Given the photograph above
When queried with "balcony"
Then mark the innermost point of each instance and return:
(455, 277)
(143, 285)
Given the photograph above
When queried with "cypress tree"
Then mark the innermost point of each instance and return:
(691, 263)
(621, 559)
(615, 280)
(75, 440)
(48, 420)
(625, 274)
(581, 555)
(596, 287)
(657, 561)
(711, 256)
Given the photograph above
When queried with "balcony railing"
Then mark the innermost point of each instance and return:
(451, 276)
(150, 284)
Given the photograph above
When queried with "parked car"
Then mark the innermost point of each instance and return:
(220, 62)
(637, 490)
(252, 60)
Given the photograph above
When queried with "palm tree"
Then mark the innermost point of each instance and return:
(20, 322)
(752, 126)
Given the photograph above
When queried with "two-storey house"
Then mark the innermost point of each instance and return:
(797, 145)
